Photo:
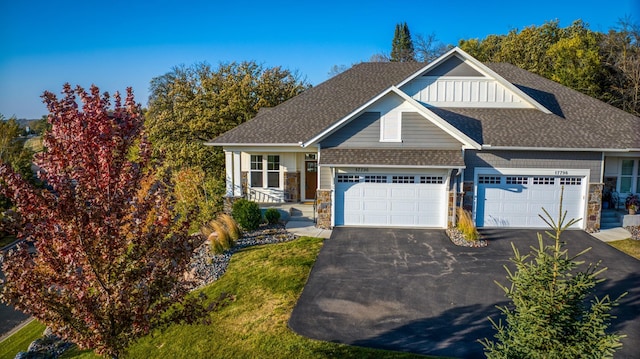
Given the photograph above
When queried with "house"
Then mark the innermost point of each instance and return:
(401, 144)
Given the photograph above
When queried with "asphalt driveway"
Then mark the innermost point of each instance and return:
(413, 290)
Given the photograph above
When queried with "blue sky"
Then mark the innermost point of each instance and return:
(116, 44)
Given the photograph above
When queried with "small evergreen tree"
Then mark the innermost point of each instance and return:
(548, 316)
(402, 45)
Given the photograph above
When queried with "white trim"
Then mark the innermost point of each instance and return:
(389, 166)
(237, 174)
(558, 149)
(234, 144)
(383, 127)
(586, 173)
(438, 121)
(480, 67)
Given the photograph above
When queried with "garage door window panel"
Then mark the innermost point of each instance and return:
(403, 179)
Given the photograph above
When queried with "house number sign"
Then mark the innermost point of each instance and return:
(562, 172)
(362, 169)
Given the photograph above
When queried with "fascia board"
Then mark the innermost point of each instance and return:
(438, 121)
(329, 130)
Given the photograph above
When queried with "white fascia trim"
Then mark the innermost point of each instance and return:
(466, 141)
(232, 144)
(348, 117)
(388, 166)
(557, 149)
(471, 61)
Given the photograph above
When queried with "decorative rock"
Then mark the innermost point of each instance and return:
(49, 346)
(635, 232)
(458, 239)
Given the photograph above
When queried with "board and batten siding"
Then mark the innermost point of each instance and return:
(463, 92)
(416, 132)
(534, 159)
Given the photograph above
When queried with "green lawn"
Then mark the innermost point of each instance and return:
(265, 281)
(629, 246)
(20, 341)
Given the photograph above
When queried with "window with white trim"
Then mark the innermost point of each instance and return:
(570, 181)
(543, 180)
(256, 171)
(273, 171)
(259, 177)
(629, 176)
(516, 180)
(489, 179)
(402, 179)
(391, 128)
(348, 178)
(375, 179)
(432, 179)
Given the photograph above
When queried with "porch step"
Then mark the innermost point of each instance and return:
(609, 219)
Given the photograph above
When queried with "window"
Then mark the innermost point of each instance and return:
(375, 179)
(348, 178)
(517, 180)
(432, 179)
(390, 128)
(258, 174)
(543, 180)
(570, 181)
(256, 171)
(626, 176)
(273, 171)
(402, 179)
(489, 179)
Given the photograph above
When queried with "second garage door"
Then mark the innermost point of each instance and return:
(516, 201)
(390, 200)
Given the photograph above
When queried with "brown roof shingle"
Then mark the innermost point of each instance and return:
(577, 121)
(391, 157)
(304, 116)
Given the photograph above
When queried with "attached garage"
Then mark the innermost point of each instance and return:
(516, 200)
(394, 200)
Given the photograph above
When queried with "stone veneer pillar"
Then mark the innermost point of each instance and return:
(227, 204)
(323, 206)
(292, 186)
(451, 207)
(594, 207)
(467, 196)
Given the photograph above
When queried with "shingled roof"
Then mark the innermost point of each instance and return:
(577, 121)
(304, 116)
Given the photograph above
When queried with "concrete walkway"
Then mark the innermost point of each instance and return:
(306, 228)
(612, 234)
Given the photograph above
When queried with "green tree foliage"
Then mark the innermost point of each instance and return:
(548, 316)
(620, 51)
(402, 45)
(191, 105)
(110, 256)
(605, 66)
(12, 150)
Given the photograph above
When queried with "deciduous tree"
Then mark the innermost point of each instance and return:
(109, 255)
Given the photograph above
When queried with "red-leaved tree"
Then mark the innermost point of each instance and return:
(109, 256)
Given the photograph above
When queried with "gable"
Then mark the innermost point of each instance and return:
(368, 130)
(453, 67)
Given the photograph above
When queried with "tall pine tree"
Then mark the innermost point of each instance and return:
(402, 45)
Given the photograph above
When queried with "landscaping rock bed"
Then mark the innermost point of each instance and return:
(635, 232)
(458, 239)
(206, 267)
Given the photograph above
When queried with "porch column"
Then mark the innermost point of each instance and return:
(237, 175)
(228, 161)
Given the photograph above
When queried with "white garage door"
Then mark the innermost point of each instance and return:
(390, 200)
(516, 201)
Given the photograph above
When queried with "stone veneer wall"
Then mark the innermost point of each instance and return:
(292, 186)
(451, 207)
(323, 205)
(594, 207)
(245, 182)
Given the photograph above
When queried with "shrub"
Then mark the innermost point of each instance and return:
(466, 225)
(218, 236)
(247, 214)
(232, 226)
(272, 215)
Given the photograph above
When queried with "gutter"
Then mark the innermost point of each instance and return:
(558, 149)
